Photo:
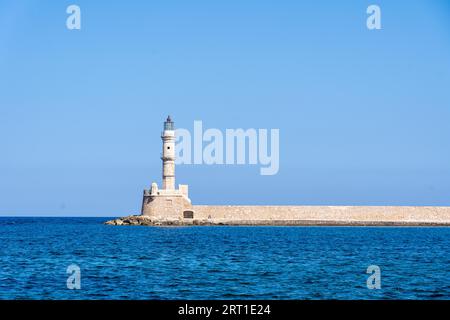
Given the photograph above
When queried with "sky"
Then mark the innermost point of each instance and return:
(363, 115)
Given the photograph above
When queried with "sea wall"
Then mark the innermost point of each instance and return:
(324, 213)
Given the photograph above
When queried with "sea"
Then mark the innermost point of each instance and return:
(81, 258)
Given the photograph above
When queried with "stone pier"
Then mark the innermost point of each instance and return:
(300, 216)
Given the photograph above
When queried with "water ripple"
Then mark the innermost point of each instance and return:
(219, 262)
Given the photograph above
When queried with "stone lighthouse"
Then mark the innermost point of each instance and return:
(167, 203)
(168, 155)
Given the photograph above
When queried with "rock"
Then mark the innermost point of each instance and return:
(147, 221)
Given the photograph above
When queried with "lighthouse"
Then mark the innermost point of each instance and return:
(167, 202)
(168, 155)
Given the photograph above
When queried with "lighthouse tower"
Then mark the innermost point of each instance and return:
(168, 155)
(169, 202)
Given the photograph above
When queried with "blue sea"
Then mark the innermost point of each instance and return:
(123, 262)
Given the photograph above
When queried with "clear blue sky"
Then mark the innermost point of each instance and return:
(364, 116)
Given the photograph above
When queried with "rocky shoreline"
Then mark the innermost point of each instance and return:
(148, 221)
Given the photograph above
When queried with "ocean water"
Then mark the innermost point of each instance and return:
(219, 262)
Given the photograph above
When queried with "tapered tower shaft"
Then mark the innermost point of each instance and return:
(168, 155)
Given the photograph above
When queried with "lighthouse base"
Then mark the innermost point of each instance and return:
(167, 204)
